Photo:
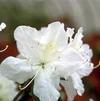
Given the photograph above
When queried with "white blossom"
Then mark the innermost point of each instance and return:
(46, 56)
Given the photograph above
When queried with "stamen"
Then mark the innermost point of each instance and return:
(97, 65)
(22, 88)
(4, 49)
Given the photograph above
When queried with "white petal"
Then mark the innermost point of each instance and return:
(27, 41)
(85, 69)
(69, 62)
(70, 91)
(70, 32)
(56, 80)
(7, 89)
(82, 71)
(22, 31)
(77, 41)
(72, 55)
(16, 69)
(65, 69)
(44, 88)
(86, 52)
(54, 33)
(77, 83)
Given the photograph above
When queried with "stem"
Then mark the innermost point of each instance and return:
(18, 96)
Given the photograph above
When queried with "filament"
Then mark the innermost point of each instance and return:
(97, 65)
(4, 49)
(22, 88)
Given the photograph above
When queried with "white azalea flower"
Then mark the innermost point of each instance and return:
(7, 89)
(46, 56)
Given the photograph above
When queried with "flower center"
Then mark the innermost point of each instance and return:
(42, 64)
(48, 54)
(49, 49)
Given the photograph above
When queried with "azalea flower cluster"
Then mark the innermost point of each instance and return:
(50, 56)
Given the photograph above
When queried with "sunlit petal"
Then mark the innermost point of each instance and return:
(44, 88)
(16, 69)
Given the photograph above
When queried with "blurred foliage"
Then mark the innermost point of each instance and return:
(13, 14)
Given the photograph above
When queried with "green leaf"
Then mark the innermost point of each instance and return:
(35, 98)
(60, 99)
